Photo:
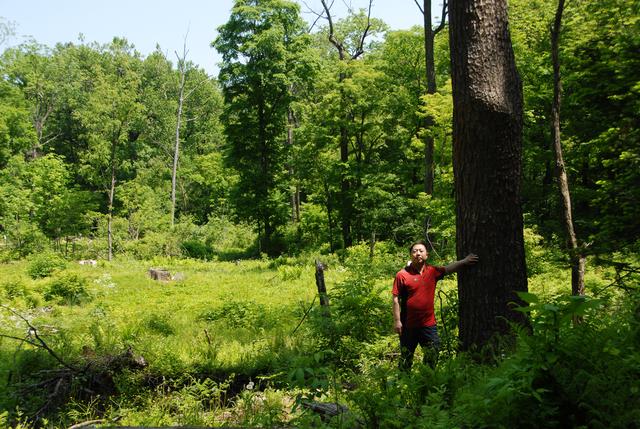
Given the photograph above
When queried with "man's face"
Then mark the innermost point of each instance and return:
(419, 254)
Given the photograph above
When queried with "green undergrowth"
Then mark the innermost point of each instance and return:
(246, 343)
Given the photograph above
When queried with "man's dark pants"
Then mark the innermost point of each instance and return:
(428, 339)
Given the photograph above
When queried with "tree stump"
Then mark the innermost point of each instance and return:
(159, 274)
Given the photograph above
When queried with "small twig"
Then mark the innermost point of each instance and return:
(305, 314)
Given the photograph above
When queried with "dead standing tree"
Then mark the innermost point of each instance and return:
(487, 152)
(183, 96)
(578, 260)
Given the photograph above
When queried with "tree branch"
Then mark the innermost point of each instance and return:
(332, 36)
(445, 5)
(360, 48)
(318, 16)
(40, 342)
(419, 6)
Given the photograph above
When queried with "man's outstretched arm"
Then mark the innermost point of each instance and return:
(455, 266)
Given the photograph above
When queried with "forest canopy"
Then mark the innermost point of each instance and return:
(336, 157)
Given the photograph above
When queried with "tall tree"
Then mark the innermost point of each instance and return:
(109, 119)
(350, 45)
(487, 140)
(260, 45)
(577, 257)
(40, 77)
(430, 33)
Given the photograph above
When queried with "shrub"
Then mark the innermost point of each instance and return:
(69, 289)
(45, 264)
(196, 249)
(13, 289)
(238, 314)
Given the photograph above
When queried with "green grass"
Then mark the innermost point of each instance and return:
(222, 326)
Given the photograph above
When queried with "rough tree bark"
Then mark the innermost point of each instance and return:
(487, 150)
(578, 260)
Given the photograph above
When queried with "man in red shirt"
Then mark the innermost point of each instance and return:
(413, 296)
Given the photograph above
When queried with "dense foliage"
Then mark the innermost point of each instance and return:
(77, 119)
(296, 154)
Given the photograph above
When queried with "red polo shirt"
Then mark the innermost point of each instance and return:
(416, 292)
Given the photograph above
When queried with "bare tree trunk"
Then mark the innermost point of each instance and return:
(112, 192)
(487, 151)
(578, 260)
(176, 150)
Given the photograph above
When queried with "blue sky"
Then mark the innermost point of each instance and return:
(146, 23)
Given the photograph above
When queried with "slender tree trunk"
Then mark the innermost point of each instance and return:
(487, 151)
(345, 189)
(297, 201)
(294, 191)
(429, 38)
(578, 261)
(112, 192)
(329, 216)
(264, 186)
(428, 157)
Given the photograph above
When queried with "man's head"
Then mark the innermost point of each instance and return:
(418, 252)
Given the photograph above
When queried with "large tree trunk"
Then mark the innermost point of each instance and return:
(487, 150)
(578, 261)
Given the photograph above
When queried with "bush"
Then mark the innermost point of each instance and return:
(45, 264)
(13, 289)
(69, 289)
(197, 250)
(238, 314)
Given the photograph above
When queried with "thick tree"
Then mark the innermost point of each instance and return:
(260, 47)
(487, 147)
